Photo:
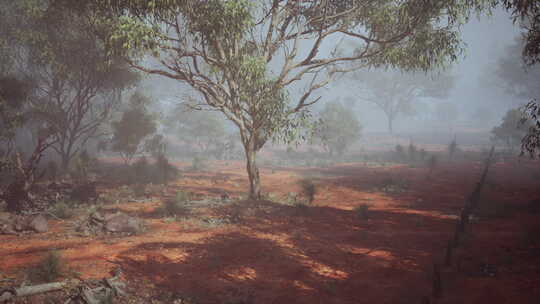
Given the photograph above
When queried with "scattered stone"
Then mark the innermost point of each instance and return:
(14, 224)
(123, 223)
(38, 224)
(98, 222)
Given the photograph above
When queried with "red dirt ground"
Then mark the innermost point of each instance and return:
(322, 254)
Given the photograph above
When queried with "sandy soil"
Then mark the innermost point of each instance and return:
(279, 253)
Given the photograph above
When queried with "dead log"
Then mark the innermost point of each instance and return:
(24, 291)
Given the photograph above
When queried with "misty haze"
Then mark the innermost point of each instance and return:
(270, 151)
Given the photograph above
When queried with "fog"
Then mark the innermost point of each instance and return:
(480, 99)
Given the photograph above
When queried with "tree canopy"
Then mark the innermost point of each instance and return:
(395, 92)
(337, 129)
(241, 56)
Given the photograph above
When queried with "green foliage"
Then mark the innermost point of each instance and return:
(531, 141)
(176, 207)
(134, 126)
(511, 130)
(49, 269)
(199, 128)
(338, 128)
(63, 210)
(223, 50)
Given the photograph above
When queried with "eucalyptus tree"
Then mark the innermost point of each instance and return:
(76, 80)
(527, 13)
(242, 56)
(395, 92)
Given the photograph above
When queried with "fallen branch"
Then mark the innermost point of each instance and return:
(24, 291)
(110, 287)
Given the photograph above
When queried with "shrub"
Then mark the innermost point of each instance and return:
(291, 198)
(198, 163)
(49, 269)
(62, 210)
(177, 206)
(308, 189)
(362, 211)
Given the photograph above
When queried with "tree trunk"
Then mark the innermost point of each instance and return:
(253, 171)
(65, 163)
(390, 125)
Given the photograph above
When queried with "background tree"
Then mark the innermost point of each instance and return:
(514, 75)
(337, 129)
(531, 141)
(527, 13)
(133, 128)
(77, 80)
(511, 130)
(395, 92)
(204, 130)
(241, 55)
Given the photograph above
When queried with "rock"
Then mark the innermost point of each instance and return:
(123, 223)
(38, 224)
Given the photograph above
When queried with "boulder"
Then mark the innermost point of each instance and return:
(38, 224)
(123, 223)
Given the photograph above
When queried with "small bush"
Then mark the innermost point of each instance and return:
(291, 198)
(362, 211)
(62, 210)
(177, 206)
(49, 269)
(308, 189)
(198, 163)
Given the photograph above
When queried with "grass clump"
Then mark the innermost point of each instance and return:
(49, 268)
(362, 211)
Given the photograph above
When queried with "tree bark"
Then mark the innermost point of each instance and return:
(253, 171)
